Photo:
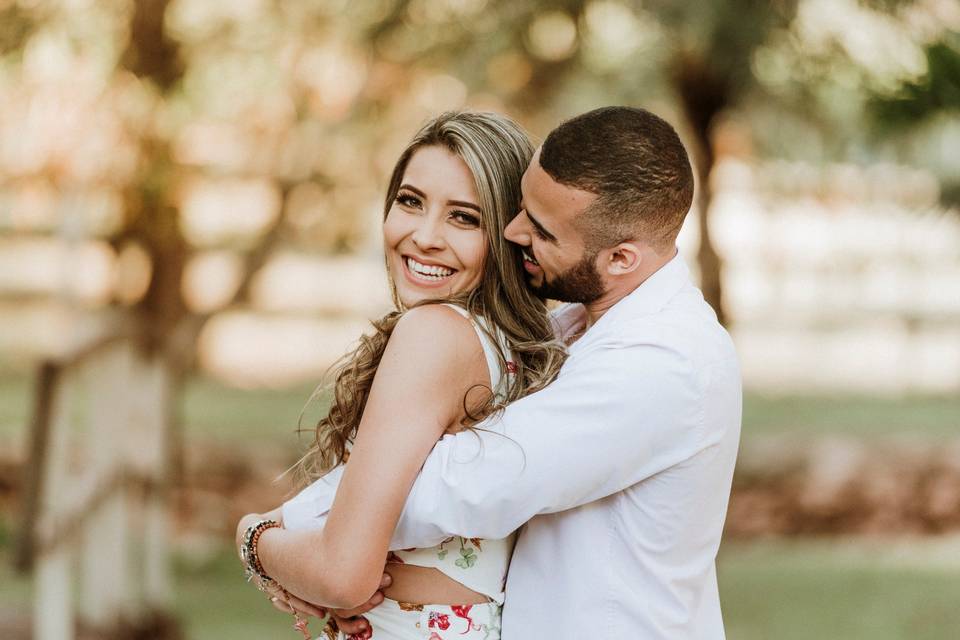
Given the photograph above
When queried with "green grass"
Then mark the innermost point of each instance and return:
(780, 589)
(252, 417)
(15, 408)
(14, 588)
(212, 412)
(853, 415)
(214, 602)
(788, 590)
(268, 417)
(798, 590)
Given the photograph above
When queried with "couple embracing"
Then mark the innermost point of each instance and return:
(526, 474)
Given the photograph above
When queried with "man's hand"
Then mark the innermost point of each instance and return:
(349, 621)
(288, 603)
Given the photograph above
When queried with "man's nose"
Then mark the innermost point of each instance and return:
(516, 230)
(429, 233)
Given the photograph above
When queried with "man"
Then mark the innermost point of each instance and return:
(619, 472)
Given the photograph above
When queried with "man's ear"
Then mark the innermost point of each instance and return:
(624, 258)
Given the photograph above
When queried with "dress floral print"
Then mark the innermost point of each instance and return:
(476, 563)
(430, 622)
(467, 557)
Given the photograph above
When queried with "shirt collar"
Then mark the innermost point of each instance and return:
(649, 297)
(652, 294)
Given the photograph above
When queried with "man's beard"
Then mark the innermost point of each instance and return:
(580, 283)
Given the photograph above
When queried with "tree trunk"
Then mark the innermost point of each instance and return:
(704, 95)
(708, 259)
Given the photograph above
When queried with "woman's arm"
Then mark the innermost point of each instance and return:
(432, 359)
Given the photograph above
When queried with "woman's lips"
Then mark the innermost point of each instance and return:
(424, 280)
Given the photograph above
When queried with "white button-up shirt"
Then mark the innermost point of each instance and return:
(619, 473)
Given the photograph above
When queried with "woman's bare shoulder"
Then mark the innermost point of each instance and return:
(432, 360)
(437, 334)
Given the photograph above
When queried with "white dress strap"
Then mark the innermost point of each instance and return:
(497, 381)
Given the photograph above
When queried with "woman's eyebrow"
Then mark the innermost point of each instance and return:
(455, 203)
(409, 187)
(464, 203)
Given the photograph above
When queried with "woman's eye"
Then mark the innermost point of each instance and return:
(407, 200)
(465, 218)
(540, 234)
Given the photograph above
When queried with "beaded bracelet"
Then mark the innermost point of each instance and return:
(248, 550)
(253, 569)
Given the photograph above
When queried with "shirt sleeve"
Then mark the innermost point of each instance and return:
(616, 414)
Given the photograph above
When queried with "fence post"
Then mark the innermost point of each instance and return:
(105, 597)
(53, 617)
(96, 492)
(149, 454)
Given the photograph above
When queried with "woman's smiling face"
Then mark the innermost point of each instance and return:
(432, 235)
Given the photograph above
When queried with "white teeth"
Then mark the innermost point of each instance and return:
(527, 256)
(430, 272)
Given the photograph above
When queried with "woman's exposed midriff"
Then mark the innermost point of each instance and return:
(426, 585)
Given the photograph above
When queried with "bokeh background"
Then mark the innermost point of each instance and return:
(205, 178)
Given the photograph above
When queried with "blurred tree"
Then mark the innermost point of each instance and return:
(141, 73)
(16, 24)
(710, 70)
(705, 51)
(917, 101)
(304, 105)
(935, 92)
(854, 80)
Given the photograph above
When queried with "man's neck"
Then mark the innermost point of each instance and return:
(622, 287)
(597, 308)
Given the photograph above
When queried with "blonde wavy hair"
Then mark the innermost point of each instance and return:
(497, 152)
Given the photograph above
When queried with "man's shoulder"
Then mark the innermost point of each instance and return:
(685, 326)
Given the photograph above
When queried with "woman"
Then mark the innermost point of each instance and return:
(431, 368)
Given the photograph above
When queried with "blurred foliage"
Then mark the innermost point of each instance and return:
(183, 129)
(16, 24)
(938, 90)
(935, 94)
(837, 86)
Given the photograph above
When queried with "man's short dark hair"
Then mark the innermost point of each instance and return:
(635, 163)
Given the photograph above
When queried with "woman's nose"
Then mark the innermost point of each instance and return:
(429, 234)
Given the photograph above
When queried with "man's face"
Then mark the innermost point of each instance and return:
(558, 265)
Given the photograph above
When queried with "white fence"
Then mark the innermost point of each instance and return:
(823, 293)
(95, 507)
